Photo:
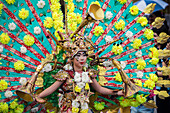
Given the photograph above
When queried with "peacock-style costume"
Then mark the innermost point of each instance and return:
(28, 49)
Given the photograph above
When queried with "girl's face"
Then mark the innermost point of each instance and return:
(80, 59)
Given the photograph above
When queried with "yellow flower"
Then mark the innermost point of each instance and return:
(3, 85)
(134, 103)
(149, 83)
(153, 77)
(118, 77)
(117, 49)
(87, 86)
(72, 26)
(154, 52)
(58, 24)
(77, 89)
(125, 102)
(3, 107)
(136, 43)
(154, 61)
(48, 22)
(79, 18)
(55, 7)
(57, 15)
(71, 7)
(141, 64)
(10, 1)
(28, 40)
(120, 25)
(4, 38)
(102, 70)
(138, 82)
(23, 14)
(13, 104)
(143, 21)
(122, 1)
(75, 110)
(84, 111)
(96, 2)
(134, 10)
(19, 109)
(99, 105)
(19, 65)
(56, 33)
(148, 34)
(54, 1)
(98, 30)
(68, 1)
(140, 98)
(1, 7)
(72, 17)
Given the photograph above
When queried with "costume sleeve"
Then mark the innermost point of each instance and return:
(93, 73)
(61, 76)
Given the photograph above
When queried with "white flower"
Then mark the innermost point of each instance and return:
(78, 0)
(89, 25)
(109, 15)
(86, 65)
(75, 104)
(107, 63)
(11, 26)
(81, 84)
(68, 67)
(129, 35)
(23, 49)
(84, 106)
(23, 81)
(77, 77)
(34, 110)
(138, 54)
(47, 67)
(122, 64)
(37, 30)
(139, 74)
(85, 77)
(41, 4)
(1, 48)
(108, 39)
(8, 94)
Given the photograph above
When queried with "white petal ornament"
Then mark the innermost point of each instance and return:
(47, 68)
(122, 64)
(78, 0)
(23, 49)
(85, 77)
(41, 4)
(107, 63)
(138, 54)
(109, 15)
(11, 26)
(139, 74)
(81, 84)
(77, 77)
(37, 30)
(129, 35)
(68, 67)
(23, 81)
(8, 94)
(84, 106)
(75, 104)
(108, 39)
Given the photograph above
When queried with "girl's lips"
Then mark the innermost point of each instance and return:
(81, 62)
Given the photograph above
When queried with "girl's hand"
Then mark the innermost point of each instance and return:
(120, 93)
(40, 100)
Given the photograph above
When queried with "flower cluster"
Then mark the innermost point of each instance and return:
(19, 65)
(99, 105)
(138, 82)
(120, 25)
(154, 61)
(55, 7)
(153, 77)
(143, 21)
(4, 38)
(71, 7)
(140, 98)
(28, 40)
(149, 83)
(72, 26)
(3, 85)
(57, 15)
(117, 49)
(153, 53)
(140, 64)
(134, 10)
(23, 14)
(122, 1)
(136, 43)
(10, 1)
(98, 30)
(48, 22)
(1, 7)
(118, 77)
(149, 34)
